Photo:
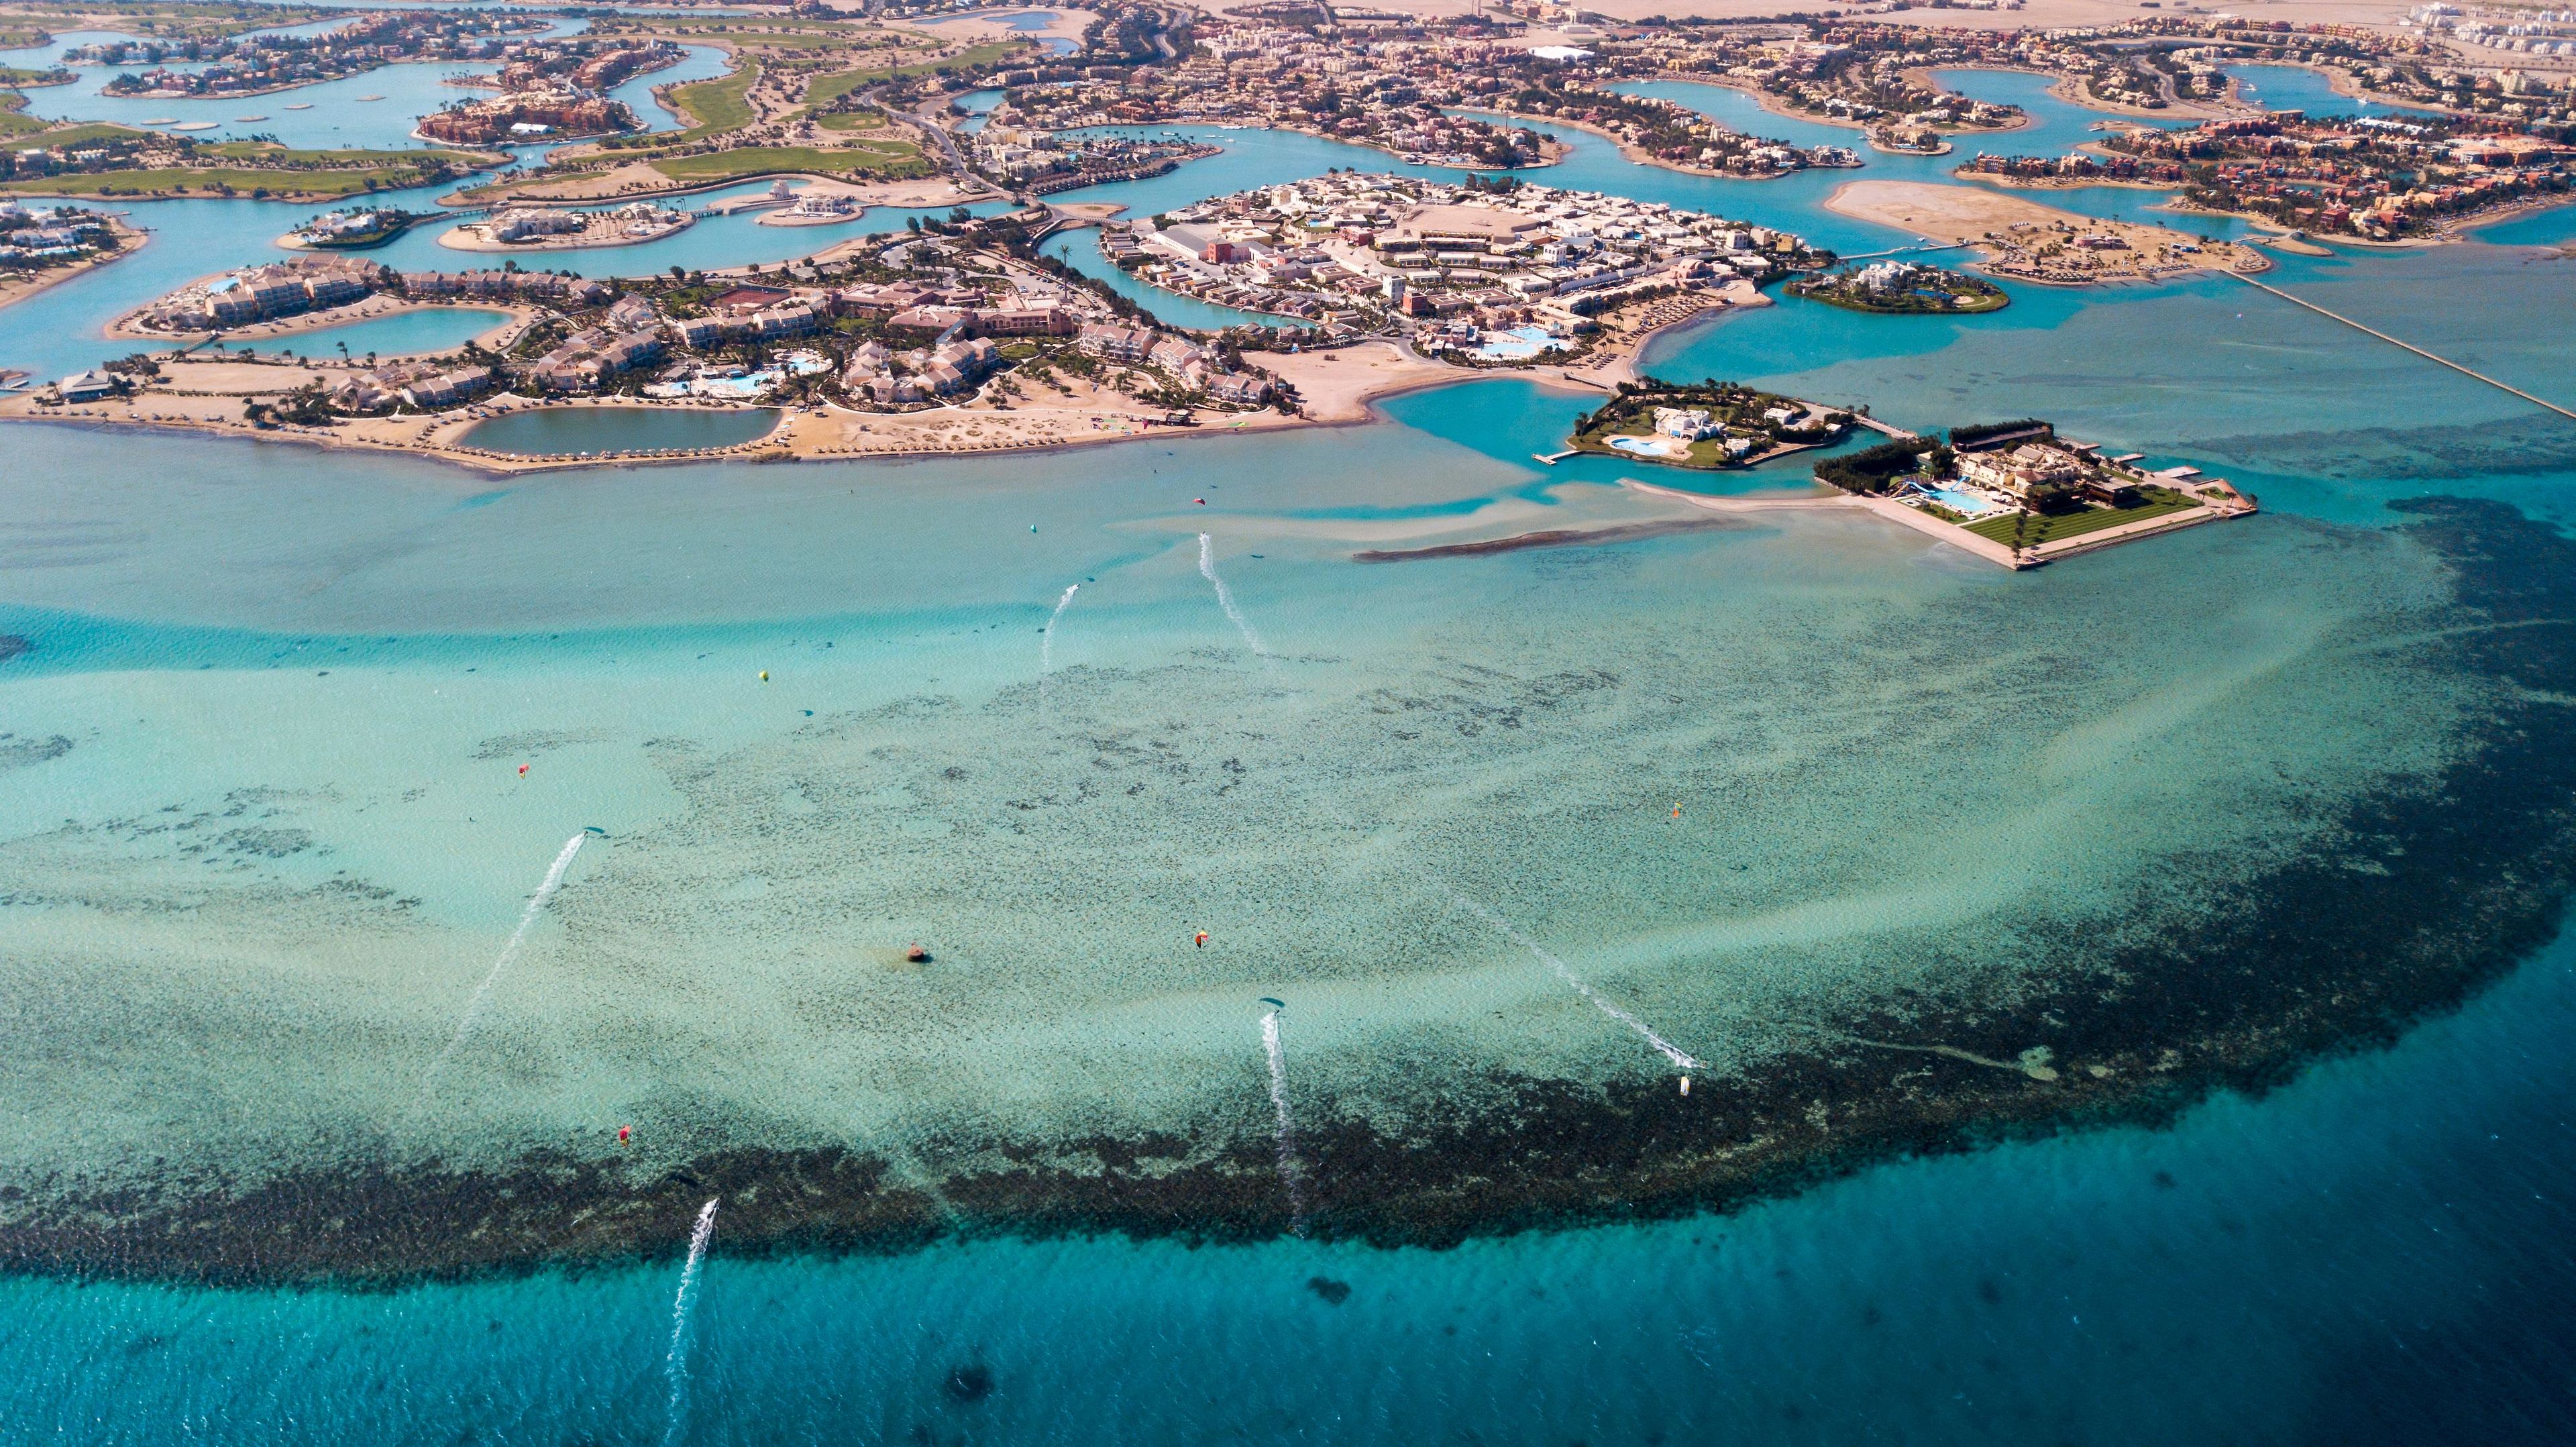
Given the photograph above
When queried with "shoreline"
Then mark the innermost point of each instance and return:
(464, 237)
(352, 314)
(1330, 394)
(1627, 151)
(1772, 104)
(460, 200)
(1994, 212)
(799, 436)
(131, 239)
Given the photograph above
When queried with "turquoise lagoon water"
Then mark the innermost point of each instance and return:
(2297, 88)
(431, 329)
(63, 329)
(337, 117)
(562, 431)
(269, 859)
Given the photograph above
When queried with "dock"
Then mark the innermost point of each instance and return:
(1553, 458)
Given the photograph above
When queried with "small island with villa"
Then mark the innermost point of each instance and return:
(1708, 426)
(2019, 494)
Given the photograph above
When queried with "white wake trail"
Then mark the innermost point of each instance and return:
(1669, 1050)
(1288, 1173)
(1225, 598)
(1046, 640)
(675, 1365)
(482, 992)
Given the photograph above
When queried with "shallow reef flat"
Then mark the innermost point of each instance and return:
(1887, 853)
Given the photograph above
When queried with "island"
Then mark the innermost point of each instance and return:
(1902, 288)
(537, 228)
(2017, 494)
(1709, 426)
(357, 228)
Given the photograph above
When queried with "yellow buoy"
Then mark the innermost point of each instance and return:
(764, 675)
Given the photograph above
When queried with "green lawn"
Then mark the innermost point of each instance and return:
(73, 136)
(2057, 527)
(827, 88)
(13, 118)
(325, 184)
(851, 120)
(262, 151)
(885, 158)
(718, 105)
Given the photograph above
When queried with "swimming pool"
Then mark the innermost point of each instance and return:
(1652, 446)
(1518, 344)
(1966, 504)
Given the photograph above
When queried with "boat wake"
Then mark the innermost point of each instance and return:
(1225, 600)
(483, 992)
(1046, 640)
(1289, 1176)
(675, 1365)
(1674, 1053)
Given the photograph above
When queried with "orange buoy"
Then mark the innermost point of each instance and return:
(623, 1132)
(1202, 939)
(523, 771)
(916, 954)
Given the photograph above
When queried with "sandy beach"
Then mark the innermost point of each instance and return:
(369, 309)
(603, 228)
(209, 396)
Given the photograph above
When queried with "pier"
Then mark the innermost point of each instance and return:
(2410, 346)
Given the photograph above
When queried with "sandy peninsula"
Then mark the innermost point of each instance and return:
(209, 396)
(2027, 241)
(1625, 334)
(381, 304)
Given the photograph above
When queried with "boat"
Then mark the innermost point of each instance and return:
(301, 106)
(245, 120)
(195, 126)
(162, 121)
(371, 97)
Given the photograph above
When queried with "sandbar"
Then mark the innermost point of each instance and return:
(2004, 227)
